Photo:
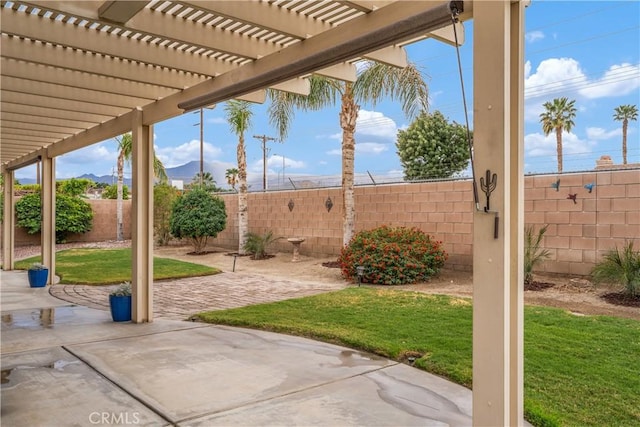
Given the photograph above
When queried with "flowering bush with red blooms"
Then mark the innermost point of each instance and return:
(392, 256)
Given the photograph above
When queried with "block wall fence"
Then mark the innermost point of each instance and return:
(104, 225)
(578, 233)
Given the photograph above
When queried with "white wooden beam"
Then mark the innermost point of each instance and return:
(100, 65)
(299, 86)
(392, 55)
(344, 71)
(48, 228)
(63, 34)
(142, 227)
(497, 261)
(9, 221)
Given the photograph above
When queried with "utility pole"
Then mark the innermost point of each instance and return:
(264, 139)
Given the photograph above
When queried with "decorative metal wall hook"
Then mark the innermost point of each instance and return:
(590, 186)
(328, 204)
(556, 185)
(291, 205)
(488, 187)
(573, 197)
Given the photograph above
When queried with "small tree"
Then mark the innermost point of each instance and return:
(111, 192)
(257, 244)
(73, 215)
(197, 215)
(621, 268)
(431, 147)
(164, 196)
(533, 252)
(74, 186)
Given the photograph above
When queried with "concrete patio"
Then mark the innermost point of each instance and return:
(71, 365)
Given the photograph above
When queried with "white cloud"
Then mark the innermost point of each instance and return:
(374, 148)
(373, 123)
(96, 159)
(184, 153)
(618, 80)
(275, 161)
(539, 145)
(556, 76)
(533, 36)
(371, 148)
(216, 120)
(553, 75)
(602, 134)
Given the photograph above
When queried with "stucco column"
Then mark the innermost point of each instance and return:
(497, 262)
(142, 220)
(8, 222)
(48, 228)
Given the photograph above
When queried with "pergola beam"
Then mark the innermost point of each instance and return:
(368, 33)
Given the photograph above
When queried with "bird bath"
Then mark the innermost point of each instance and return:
(296, 242)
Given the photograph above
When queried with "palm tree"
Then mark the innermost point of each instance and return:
(623, 114)
(207, 182)
(239, 116)
(558, 116)
(232, 177)
(125, 149)
(375, 81)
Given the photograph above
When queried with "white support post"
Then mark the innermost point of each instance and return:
(48, 228)
(142, 220)
(497, 262)
(9, 222)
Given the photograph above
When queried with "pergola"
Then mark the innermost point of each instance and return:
(74, 73)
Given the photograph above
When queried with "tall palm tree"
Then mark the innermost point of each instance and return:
(558, 116)
(125, 150)
(375, 82)
(623, 114)
(239, 116)
(231, 175)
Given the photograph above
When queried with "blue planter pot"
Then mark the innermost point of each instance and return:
(38, 278)
(120, 308)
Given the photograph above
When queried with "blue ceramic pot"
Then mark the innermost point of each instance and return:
(120, 308)
(38, 278)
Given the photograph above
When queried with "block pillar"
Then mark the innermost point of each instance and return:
(8, 222)
(497, 262)
(48, 228)
(142, 220)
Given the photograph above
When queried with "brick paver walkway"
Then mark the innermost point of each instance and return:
(178, 299)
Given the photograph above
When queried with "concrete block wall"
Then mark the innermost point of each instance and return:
(578, 233)
(104, 225)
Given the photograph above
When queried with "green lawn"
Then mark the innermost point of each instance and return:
(579, 371)
(108, 266)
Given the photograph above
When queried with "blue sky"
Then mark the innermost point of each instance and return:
(588, 51)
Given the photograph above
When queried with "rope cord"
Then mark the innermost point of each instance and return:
(454, 19)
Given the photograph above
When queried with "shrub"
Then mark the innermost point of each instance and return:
(111, 192)
(392, 256)
(533, 253)
(74, 186)
(73, 215)
(164, 196)
(197, 215)
(257, 244)
(621, 268)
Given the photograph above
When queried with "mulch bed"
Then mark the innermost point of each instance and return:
(619, 298)
(538, 286)
(201, 253)
(331, 264)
